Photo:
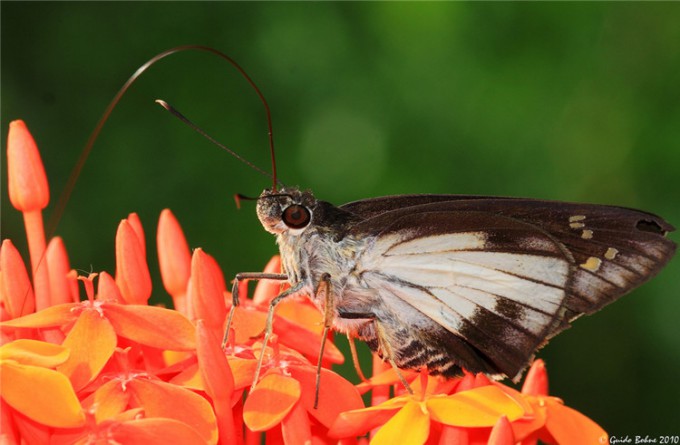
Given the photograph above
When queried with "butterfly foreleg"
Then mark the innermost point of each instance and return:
(235, 297)
(252, 276)
(388, 353)
(269, 325)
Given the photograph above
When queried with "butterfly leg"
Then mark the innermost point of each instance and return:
(269, 326)
(235, 297)
(329, 307)
(355, 358)
(388, 353)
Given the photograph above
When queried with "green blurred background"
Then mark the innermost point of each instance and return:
(565, 101)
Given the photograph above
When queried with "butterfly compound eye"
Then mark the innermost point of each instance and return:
(296, 216)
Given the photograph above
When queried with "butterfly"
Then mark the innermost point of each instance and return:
(450, 282)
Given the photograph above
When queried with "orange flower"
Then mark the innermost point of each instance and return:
(28, 189)
(31, 387)
(29, 193)
(174, 259)
(157, 399)
(58, 267)
(130, 428)
(408, 418)
(206, 301)
(501, 433)
(16, 292)
(132, 272)
(131, 404)
(549, 420)
(148, 325)
(285, 396)
(94, 324)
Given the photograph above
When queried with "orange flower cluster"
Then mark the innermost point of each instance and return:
(113, 370)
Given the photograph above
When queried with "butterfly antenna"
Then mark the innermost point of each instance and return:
(200, 131)
(85, 153)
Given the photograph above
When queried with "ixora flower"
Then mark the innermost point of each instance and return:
(112, 369)
(408, 418)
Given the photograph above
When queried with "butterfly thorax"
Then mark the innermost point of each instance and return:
(321, 246)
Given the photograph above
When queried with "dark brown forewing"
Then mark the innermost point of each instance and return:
(368, 208)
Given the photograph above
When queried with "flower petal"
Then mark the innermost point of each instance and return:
(525, 401)
(271, 400)
(243, 371)
(59, 315)
(58, 268)
(43, 395)
(477, 407)
(174, 258)
(569, 426)
(501, 433)
(35, 353)
(536, 381)
(160, 399)
(248, 323)
(136, 225)
(454, 435)
(359, 421)
(132, 271)
(107, 289)
(155, 431)
(301, 312)
(217, 379)
(30, 431)
(215, 370)
(152, 326)
(471, 381)
(28, 188)
(385, 378)
(306, 341)
(110, 400)
(335, 393)
(217, 273)
(92, 342)
(206, 293)
(189, 378)
(410, 425)
(17, 291)
(295, 427)
(379, 394)
(266, 290)
(8, 428)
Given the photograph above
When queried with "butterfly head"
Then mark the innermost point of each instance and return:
(287, 210)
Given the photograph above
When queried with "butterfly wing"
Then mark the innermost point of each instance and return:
(498, 277)
(371, 207)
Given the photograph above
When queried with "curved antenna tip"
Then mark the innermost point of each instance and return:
(163, 104)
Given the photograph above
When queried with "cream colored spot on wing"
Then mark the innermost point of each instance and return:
(576, 218)
(610, 254)
(592, 264)
(587, 234)
(576, 225)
